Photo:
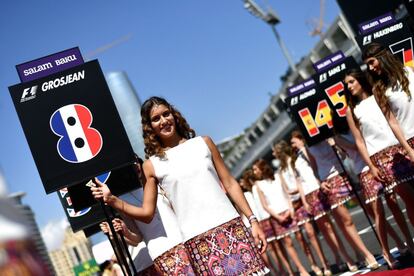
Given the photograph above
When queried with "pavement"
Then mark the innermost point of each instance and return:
(370, 241)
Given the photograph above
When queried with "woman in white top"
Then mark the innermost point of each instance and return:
(318, 201)
(335, 184)
(162, 236)
(247, 183)
(292, 183)
(392, 86)
(189, 169)
(275, 201)
(374, 138)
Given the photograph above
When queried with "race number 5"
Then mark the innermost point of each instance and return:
(333, 93)
(78, 141)
(322, 117)
(404, 48)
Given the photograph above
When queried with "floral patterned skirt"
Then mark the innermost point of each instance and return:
(267, 228)
(175, 261)
(301, 215)
(394, 165)
(371, 189)
(318, 203)
(285, 228)
(227, 249)
(341, 190)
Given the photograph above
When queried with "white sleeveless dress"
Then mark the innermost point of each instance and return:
(214, 234)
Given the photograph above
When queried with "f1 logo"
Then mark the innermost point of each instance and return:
(78, 141)
(367, 40)
(323, 77)
(32, 91)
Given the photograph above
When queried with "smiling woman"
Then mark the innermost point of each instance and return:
(190, 170)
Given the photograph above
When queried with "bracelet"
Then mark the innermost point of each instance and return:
(252, 218)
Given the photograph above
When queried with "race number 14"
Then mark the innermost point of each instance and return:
(323, 114)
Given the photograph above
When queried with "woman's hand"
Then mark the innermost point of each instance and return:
(104, 227)
(259, 237)
(307, 207)
(101, 191)
(120, 226)
(326, 188)
(411, 155)
(376, 173)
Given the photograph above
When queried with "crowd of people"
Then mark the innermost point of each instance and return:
(194, 218)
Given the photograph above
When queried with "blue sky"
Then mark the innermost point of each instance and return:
(212, 59)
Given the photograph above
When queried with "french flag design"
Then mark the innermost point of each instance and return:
(78, 141)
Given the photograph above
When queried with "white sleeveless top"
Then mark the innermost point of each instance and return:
(252, 203)
(290, 179)
(307, 177)
(163, 232)
(262, 214)
(373, 126)
(325, 158)
(402, 106)
(276, 197)
(189, 178)
(353, 153)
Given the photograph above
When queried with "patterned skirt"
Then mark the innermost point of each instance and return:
(175, 261)
(149, 271)
(301, 215)
(267, 228)
(227, 249)
(318, 203)
(340, 190)
(371, 189)
(394, 165)
(411, 142)
(284, 229)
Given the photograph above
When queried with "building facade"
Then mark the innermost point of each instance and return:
(129, 106)
(30, 221)
(75, 250)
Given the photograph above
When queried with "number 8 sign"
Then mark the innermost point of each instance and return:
(78, 141)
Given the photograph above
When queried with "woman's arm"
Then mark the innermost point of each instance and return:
(362, 148)
(398, 132)
(145, 213)
(131, 237)
(234, 190)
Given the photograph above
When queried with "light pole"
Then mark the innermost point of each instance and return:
(272, 19)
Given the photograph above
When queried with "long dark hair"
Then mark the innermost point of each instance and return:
(362, 78)
(153, 145)
(392, 73)
(282, 152)
(265, 168)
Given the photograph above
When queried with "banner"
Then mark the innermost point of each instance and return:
(82, 219)
(318, 102)
(119, 181)
(389, 32)
(72, 126)
(48, 65)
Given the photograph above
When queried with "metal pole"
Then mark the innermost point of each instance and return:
(122, 259)
(134, 269)
(284, 49)
(361, 203)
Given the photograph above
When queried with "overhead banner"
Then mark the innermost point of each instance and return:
(389, 32)
(318, 102)
(72, 126)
